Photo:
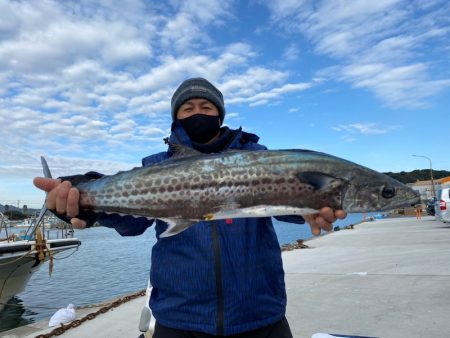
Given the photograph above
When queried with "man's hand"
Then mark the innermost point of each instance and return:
(324, 219)
(62, 198)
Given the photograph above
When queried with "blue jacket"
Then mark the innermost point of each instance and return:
(219, 277)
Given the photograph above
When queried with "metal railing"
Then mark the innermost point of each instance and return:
(51, 228)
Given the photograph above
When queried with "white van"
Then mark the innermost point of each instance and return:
(442, 206)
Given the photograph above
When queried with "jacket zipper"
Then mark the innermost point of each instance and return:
(218, 273)
(217, 264)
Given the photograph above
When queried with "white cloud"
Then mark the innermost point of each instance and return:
(231, 116)
(184, 30)
(75, 77)
(291, 53)
(386, 34)
(50, 40)
(408, 86)
(269, 96)
(361, 128)
(255, 80)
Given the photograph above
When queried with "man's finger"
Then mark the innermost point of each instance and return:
(78, 223)
(324, 224)
(46, 184)
(341, 214)
(327, 214)
(72, 202)
(51, 198)
(61, 197)
(315, 230)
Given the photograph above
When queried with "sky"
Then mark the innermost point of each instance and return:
(88, 84)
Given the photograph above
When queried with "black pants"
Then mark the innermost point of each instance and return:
(280, 329)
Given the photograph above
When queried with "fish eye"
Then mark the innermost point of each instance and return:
(388, 192)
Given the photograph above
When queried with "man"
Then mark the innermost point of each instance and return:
(217, 278)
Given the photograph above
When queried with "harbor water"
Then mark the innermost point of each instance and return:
(105, 266)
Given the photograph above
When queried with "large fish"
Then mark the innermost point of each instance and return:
(192, 186)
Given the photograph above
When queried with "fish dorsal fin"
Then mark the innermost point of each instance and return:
(181, 151)
(316, 179)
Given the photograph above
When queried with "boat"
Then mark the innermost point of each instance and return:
(24, 253)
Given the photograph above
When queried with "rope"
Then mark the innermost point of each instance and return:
(50, 254)
(61, 258)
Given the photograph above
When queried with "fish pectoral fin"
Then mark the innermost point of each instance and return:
(319, 180)
(175, 227)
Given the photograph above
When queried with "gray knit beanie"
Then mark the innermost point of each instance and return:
(196, 88)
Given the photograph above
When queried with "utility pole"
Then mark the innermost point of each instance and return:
(431, 174)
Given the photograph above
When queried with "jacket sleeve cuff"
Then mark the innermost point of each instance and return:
(125, 225)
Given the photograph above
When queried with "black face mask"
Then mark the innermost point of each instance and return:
(201, 128)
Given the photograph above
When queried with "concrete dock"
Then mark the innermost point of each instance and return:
(387, 278)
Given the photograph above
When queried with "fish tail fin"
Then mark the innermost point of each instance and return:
(36, 221)
(45, 168)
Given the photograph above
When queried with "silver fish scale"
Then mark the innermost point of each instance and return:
(197, 187)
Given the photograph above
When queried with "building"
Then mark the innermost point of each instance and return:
(425, 189)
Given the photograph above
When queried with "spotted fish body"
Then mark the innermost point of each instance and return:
(192, 186)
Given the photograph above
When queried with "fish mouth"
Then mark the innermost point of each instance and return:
(408, 202)
(414, 200)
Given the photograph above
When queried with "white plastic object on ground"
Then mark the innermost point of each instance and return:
(63, 316)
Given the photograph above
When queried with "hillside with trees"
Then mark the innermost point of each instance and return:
(418, 175)
(15, 213)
